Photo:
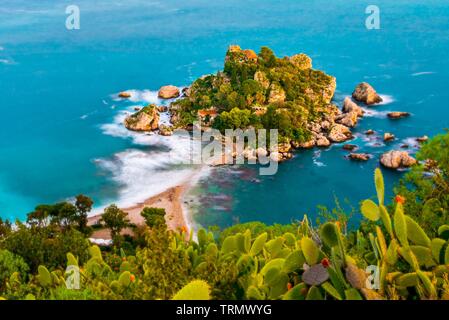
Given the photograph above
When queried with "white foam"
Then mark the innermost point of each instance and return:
(6, 61)
(386, 99)
(372, 113)
(316, 156)
(143, 96)
(417, 74)
(2, 48)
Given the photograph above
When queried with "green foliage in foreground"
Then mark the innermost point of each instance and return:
(298, 262)
(426, 186)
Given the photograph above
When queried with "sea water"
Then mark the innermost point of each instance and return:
(61, 131)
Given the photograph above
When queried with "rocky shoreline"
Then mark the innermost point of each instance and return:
(330, 124)
(334, 128)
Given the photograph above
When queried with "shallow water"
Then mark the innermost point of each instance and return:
(60, 134)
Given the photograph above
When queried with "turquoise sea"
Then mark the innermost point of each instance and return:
(61, 134)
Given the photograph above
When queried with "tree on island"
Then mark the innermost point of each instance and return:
(115, 220)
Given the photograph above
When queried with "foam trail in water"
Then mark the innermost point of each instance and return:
(417, 74)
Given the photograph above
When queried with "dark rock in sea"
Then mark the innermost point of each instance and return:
(369, 132)
(422, 139)
(397, 159)
(405, 146)
(388, 136)
(350, 147)
(398, 115)
(359, 156)
(365, 93)
(124, 95)
(168, 92)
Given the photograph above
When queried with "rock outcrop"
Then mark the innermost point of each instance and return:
(397, 159)
(365, 93)
(351, 106)
(146, 119)
(339, 133)
(165, 130)
(348, 119)
(168, 92)
(398, 115)
(369, 132)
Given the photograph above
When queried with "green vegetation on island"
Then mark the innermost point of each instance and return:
(260, 91)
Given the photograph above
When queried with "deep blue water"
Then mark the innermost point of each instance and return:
(57, 86)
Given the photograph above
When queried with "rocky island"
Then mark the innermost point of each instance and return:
(262, 91)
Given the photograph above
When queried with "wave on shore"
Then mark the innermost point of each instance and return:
(158, 164)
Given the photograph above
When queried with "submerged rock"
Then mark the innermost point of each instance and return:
(350, 147)
(397, 159)
(365, 93)
(339, 133)
(369, 132)
(146, 119)
(168, 92)
(398, 114)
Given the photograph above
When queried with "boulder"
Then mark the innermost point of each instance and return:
(397, 159)
(168, 92)
(339, 133)
(422, 139)
(124, 95)
(165, 130)
(388, 136)
(351, 106)
(162, 108)
(147, 119)
(369, 132)
(398, 114)
(304, 145)
(348, 119)
(322, 141)
(284, 147)
(359, 156)
(365, 93)
(350, 147)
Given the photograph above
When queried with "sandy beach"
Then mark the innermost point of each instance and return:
(170, 200)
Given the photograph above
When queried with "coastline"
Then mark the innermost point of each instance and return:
(177, 213)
